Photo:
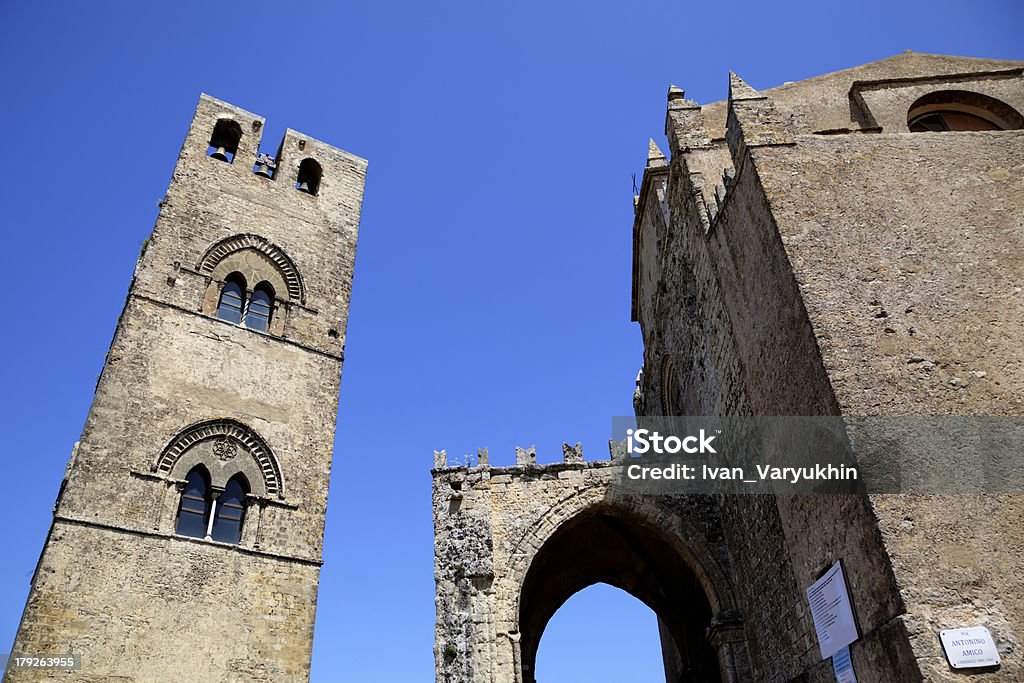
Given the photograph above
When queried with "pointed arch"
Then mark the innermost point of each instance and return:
(234, 435)
(229, 515)
(653, 552)
(232, 298)
(194, 506)
(229, 245)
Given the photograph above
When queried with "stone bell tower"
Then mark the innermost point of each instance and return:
(187, 535)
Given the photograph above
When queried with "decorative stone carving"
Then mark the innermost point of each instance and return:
(224, 248)
(223, 438)
(224, 449)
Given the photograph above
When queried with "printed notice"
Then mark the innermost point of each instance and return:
(843, 666)
(832, 612)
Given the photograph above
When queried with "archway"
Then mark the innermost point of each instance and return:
(606, 543)
(601, 635)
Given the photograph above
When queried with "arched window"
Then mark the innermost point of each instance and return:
(257, 313)
(232, 299)
(195, 504)
(224, 140)
(229, 511)
(309, 177)
(961, 110)
(943, 120)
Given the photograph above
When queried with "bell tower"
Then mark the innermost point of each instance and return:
(187, 535)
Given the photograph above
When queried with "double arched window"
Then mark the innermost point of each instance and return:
(206, 513)
(233, 265)
(238, 305)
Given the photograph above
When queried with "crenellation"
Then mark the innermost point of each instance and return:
(753, 121)
(440, 459)
(617, 450)
(526, 456)
(572, 454)
(684, 123)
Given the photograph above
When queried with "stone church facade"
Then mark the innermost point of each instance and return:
(848, 245)
(187, 535)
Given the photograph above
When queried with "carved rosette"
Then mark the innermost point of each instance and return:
(224, 449)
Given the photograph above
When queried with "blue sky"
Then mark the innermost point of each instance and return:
(491, 299)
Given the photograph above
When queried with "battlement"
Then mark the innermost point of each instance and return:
(224, 142)
(526, 459)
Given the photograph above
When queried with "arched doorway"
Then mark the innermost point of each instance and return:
(601, 635)
(606, 543)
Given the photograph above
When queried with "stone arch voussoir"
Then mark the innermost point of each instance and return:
(229, 245)
(684, 538)
(239, 436)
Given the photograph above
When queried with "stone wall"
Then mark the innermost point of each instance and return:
(913, 290)
(800, 252)
(859, 274)
(152, 608)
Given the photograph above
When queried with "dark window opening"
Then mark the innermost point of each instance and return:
(224, 140)
(194, 510)
(309, 177)
(232, 299)
(940, 121)
(230, 511)
(257, 313)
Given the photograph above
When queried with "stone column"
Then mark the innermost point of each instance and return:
(727, 637)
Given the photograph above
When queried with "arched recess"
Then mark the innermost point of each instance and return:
(997, 112)
(649, 551)
(291, 281)
(226, 448)
(679, 362)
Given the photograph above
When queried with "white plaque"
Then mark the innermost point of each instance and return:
(843, 666)
(969, 648)
(831, 611)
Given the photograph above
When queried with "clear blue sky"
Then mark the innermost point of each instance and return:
(491, 300)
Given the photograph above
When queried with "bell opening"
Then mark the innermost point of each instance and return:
(265, 166)
(308, 180)
(224, 140)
